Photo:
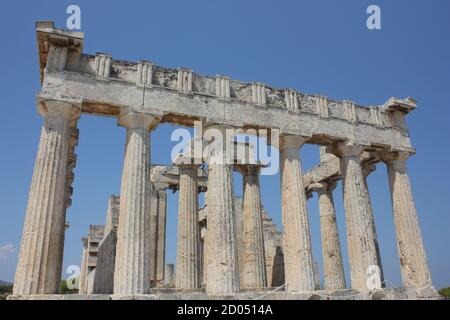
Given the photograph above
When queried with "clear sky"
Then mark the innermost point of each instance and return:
(317, 47)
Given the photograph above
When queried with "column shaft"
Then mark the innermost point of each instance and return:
(161, 236)
(132, 267)
(413, 260)
(361, 239)
(298, 260)
(221, 251)
(334, 277)
(188, 267)
(254, 273)
(366, 173)
(41, 251)
(158, 208)
(83, 272)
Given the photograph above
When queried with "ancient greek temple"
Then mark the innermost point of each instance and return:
(229, 247)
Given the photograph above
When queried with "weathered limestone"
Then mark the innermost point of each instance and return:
(367, 168)
(333, 267)
(413, 261)
(273, 248)
(160, 244)
(91, 245)
(239, 217)
(188, 267)
(132, 266)
(222, 265)
(254, 268)
(82, 281)
(169, 275)
(361, 239)
(104, 271)
(41, 249)
(158, 208)
(298, 261)
(95, 236)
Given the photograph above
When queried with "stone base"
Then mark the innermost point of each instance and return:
(174, 294)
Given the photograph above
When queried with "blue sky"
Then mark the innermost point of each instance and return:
(315, 46)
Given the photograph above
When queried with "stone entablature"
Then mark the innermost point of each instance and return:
(180, 96)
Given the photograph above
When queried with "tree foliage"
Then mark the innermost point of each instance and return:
(65, 289)
(445, 292)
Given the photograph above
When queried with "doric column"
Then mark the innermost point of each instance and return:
(361, 239)
(254, 273)
(188, 267)
(158, 217)
(161, 235)
(221, 251)
(41, 250)
(298, 260)
(82, 288)
(153, 199)
(367, 169)
(132, 267)
(413, 260)
(334, 277)
(202, 227)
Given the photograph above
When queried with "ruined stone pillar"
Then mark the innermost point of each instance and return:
(361, 239)
(41, 250)
(188, 266)
(254, 264)
(368, 168)
(161, 236)
(413, 260)
(132, 267)
(158, 208)
(298, 260)
(333, 267)
(221, 251)
(82, 280)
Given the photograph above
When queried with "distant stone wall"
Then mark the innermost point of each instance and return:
(273, 246)
(104, 274)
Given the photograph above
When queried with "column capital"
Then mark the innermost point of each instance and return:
(322, 187)
(345, 150)
(249, 169)
(137, 120)
(390, 156)
(292, 141)
(186, 162)
(69, 109)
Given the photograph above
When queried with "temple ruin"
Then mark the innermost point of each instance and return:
(230, 248)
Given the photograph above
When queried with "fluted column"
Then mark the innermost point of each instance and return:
(254, 273)
(413, 260)
(158, 209)
(298, 260)
(188, 266)
(41, 250)
(83, 272)
(361, 239)
(221, 251)
(334, 277)
(161, 236)
(132, 267)
(367, 169)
